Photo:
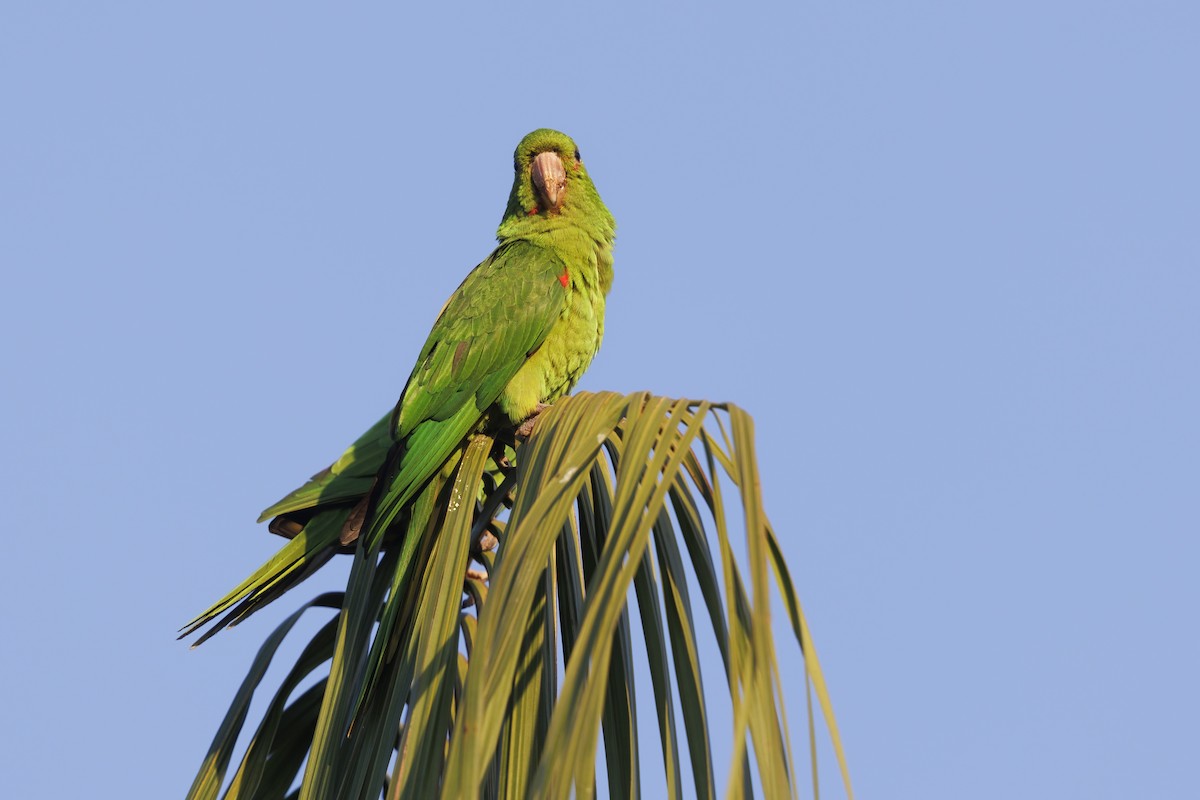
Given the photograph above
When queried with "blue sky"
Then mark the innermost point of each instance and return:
(947, 254)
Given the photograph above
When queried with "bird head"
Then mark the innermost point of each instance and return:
(549, 176)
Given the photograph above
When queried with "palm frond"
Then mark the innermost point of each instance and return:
(444, 683)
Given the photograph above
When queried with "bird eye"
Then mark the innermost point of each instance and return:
(577, 158)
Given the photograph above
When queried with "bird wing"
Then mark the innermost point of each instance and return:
(496, 319)
(500, 313)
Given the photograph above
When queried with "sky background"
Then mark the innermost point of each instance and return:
(948, 255)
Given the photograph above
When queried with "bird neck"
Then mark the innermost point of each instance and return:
(580, 242)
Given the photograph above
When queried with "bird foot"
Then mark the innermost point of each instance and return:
(472, 575)
(526, 428)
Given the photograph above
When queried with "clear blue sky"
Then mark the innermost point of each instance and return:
(948, 254)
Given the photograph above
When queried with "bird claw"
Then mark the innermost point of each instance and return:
(526, 428)
(473, 575)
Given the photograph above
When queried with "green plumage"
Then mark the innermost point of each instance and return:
(519, 331)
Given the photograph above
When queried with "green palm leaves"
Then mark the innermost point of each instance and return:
(620, 509)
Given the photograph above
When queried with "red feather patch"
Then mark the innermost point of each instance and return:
(564, 279)
(533, 211)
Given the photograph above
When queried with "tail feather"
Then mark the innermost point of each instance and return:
(310, 548)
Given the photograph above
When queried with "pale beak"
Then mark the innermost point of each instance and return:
(549, 179)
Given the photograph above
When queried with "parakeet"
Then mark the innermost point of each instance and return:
(517, 333)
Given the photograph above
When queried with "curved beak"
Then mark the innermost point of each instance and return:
(549, 179)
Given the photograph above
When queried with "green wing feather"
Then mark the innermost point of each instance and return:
(347, 479)
(499, 316)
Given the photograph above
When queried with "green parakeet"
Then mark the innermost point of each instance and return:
(518, 332)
